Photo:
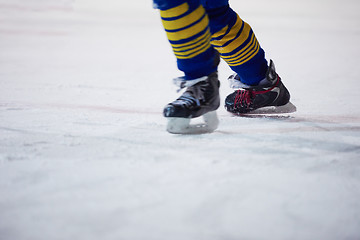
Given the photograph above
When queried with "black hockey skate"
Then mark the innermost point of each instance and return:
(201, 98)
(270, 96)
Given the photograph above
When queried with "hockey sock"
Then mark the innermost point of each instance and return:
(187, 28)
(236, 42)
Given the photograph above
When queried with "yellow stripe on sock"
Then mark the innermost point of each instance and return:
(195, 53)
(175, 12)
(235, 43)
(198, 41)
(190, 31)
(239, 40)
(186, 20)
(197, 47)
(240, 54)
(192, 50)
(231, 34)
(247, 57)
(221, 32)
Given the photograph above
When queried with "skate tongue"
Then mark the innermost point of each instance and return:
(235, 83)
(181, 82)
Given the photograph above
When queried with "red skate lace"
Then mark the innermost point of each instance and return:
(244, 98)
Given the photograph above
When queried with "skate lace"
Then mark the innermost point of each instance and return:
(243, 98)
(193, 95)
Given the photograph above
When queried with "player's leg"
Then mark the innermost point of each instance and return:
(257, 84)
(187, 28)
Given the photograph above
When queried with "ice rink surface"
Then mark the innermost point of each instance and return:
(83, 149)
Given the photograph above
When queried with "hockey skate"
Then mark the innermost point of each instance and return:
(201, 98)
(269, 97)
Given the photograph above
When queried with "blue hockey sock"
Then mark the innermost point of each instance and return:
(236, 42)
(187, 28)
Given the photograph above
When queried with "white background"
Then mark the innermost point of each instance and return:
(83, 149)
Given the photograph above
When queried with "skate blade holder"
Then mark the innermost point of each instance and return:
(287, 108)
(184, 126)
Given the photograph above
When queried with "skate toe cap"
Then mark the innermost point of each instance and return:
(175, 111)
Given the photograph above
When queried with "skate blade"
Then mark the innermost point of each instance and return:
(183, 126)
(287, 108)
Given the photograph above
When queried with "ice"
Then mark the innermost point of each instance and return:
(84, 151)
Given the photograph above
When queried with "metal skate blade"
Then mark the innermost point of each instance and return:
(183, 126)
(287, 108)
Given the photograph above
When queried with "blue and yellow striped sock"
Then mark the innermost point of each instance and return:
(236, 42)
(187, 28)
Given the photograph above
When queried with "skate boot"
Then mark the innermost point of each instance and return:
(270, 96)
(201, 98)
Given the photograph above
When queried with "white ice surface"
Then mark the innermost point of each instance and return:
(83, 149)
